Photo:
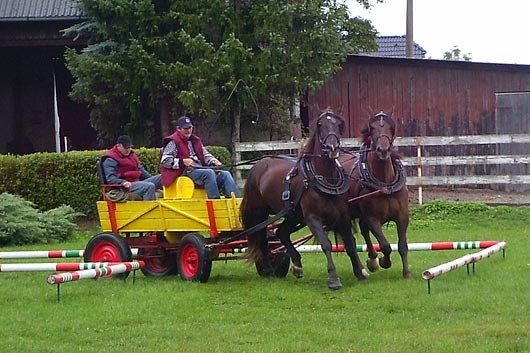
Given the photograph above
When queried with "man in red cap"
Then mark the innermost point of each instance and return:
(123, 167)
(184, 154)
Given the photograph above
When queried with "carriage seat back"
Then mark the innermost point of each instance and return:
(184, 188)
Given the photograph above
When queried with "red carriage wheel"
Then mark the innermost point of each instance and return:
(158, 262)
(193, 259)
(108, 247)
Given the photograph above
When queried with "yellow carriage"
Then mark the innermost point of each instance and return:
(181, 232)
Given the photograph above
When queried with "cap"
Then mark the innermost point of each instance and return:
(184, 122)
(125, 141)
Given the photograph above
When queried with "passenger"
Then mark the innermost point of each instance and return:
(122, 166)
(184, 154)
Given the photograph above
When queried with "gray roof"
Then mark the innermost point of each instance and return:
(396, 46)
(38, 10)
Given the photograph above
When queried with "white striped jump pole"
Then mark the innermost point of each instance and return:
(96, 272)
(411, 246)
(93, 273)
(43, 254)
(464, 260)
(53, 266)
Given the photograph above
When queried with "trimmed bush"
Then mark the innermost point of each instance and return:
(21, 223)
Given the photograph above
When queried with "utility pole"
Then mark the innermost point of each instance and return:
(409, 36)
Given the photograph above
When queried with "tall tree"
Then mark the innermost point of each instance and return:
(456, 54)
(149, 61)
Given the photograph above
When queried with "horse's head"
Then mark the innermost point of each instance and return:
(381, 132)
(329, 129)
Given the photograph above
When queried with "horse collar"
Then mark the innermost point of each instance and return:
(369, 181)
(318, 182)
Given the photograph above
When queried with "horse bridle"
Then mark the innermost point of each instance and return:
(323, 141)
(382, 117)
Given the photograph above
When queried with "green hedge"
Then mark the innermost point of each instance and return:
(50, 180)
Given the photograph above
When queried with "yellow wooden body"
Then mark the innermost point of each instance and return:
(182, 210)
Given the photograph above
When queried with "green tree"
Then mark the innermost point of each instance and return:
(456, 54)
(149, 61)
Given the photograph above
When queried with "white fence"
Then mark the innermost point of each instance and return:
(424, 165)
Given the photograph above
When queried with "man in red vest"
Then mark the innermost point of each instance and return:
(123, 167)
(184, 154)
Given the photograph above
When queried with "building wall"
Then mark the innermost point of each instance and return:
(27, 102)
(426, 97)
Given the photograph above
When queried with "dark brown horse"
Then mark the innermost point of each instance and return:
(310, 190)
(379, 170)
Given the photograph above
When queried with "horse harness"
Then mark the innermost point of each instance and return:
(369, 181)
(305, 166)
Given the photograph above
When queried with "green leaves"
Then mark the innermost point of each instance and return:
(21, 223)
(196, 53)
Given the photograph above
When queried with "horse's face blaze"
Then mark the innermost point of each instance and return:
(329, 129)
(382, 135)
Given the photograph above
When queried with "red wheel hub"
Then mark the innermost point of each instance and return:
(189, 260)
(106, 252)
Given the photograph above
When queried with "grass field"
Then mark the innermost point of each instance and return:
(237, 311)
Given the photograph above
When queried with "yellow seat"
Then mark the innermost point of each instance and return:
(183, 188)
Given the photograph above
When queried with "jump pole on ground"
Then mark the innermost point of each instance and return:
(433, 272)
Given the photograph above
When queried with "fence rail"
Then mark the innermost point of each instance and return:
(423, 164)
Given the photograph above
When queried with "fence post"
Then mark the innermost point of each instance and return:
(420, 187)
(236, 171)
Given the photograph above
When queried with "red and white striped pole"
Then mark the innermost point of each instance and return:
(43, 254)
(53, 266)
(93, 273)
(412, 246)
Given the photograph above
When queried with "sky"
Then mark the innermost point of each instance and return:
(492, 31)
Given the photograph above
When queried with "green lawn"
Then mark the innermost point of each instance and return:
(237, 311)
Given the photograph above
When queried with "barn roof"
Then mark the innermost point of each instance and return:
(396, 46)
(38, 10)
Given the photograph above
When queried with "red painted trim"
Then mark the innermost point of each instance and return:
(211, 217)
(112, 216)
(445, 245)
(487, 243)
(55, 254)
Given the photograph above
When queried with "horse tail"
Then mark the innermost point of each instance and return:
(249, 216)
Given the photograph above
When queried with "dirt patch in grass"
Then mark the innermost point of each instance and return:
(492, 197)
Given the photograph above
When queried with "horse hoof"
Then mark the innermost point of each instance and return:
(334, 283)
(362, 275)
(372, 264)
(298, 271)
(385, 263)
(365, 274)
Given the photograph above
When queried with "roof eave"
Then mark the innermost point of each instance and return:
(42, 19)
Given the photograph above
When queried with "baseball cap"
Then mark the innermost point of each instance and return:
(184, 122)
(125, 141)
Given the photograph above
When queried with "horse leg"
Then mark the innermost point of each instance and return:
(371, 262)
(317, 229)
(386, 249)
(351, 249)
(284, 234)
(403, 248)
